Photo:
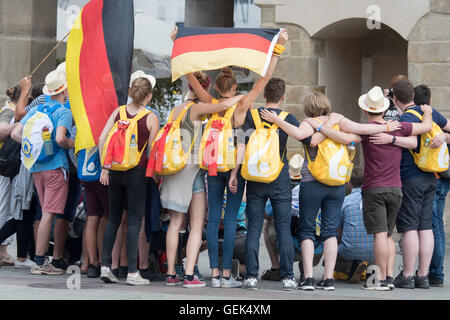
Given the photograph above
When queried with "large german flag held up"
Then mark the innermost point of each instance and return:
(197, 49)
(98, 64)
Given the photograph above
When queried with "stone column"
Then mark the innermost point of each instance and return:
(429, 61)
(429, 54)
(27, 34)
(298, 66)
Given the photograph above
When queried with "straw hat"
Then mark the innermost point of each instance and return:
(374, 101)
(55, 83)
(295, 167)
(142, 74)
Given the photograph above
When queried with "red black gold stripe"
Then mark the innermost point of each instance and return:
(198, 49)
(98, 64)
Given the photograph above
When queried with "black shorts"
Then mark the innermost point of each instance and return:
(416, 211)
(380, 208)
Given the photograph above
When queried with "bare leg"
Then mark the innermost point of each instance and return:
(391, 257)
(330, 248)
(176, 221)
(426, 246)
(100, 236)
(85, 255)
(196, 224)
(91, 238)
(381, 253)
(308, 257)
(273, 251)
(43, 234)
(410, 249)
(60, 235)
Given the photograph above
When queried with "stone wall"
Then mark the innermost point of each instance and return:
(27, 34)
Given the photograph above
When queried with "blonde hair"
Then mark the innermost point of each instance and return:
(140, 88)
(225, 80)
(316, 104)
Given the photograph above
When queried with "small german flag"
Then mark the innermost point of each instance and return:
(197, 49)
(98, 63)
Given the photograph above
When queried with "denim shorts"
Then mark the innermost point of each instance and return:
(199, 182)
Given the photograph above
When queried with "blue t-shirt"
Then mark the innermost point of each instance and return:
(408, 168)
(62, 117)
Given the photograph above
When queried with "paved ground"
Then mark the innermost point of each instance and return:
(20, 284)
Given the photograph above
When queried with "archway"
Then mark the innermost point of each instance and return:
(356, 59)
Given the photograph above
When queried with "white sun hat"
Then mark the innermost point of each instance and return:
(295, 166)
(62, 67)
(55, 83)
(142, 74)
(374, 101)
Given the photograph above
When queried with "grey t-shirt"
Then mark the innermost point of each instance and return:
(6, 116)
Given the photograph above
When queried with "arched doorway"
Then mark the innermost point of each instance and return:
(356, 59)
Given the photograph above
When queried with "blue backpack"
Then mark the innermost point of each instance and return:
(89, 167)
(49, 108)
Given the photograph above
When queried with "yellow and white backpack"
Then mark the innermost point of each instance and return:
(262, 154)
(331, 163)
(120, 151)
(217, 151)
(167, 155)
(430, 159)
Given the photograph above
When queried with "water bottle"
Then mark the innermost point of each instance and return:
(351, 156)
(351, 151)
(424, 153)
(133, 151)
(48, 144)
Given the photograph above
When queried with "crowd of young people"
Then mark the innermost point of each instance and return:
(118, 201)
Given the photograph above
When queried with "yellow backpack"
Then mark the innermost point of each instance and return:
(217, 152)
(429, 159)
(120, 152)
(331, 163)
(262, 154)
(167, 155)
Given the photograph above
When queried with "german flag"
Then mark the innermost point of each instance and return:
(197, 49)
(98, 63)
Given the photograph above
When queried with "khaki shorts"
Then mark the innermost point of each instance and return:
(380, 208)
(52, 187)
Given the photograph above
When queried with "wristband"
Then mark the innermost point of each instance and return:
(387, 127)
(394, 138)
(278, 49)
(319, 127)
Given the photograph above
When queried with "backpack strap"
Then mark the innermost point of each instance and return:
(256, 118)
(183, 112)
(414, 112)
(229, 114)
(137, 117)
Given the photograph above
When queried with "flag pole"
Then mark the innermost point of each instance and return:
(46, 57)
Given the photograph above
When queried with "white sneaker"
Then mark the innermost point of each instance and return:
(26, 264)
(137, 280)
(250, 283)
(215, 283)
(230, 283)
(107, 276)
(289, 284)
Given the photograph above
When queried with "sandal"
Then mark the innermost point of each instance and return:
(8, 261)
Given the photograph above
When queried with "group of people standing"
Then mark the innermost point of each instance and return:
(119, 198)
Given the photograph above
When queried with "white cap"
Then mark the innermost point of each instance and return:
(142, 74)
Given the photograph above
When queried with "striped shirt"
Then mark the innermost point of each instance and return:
(355, 244)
